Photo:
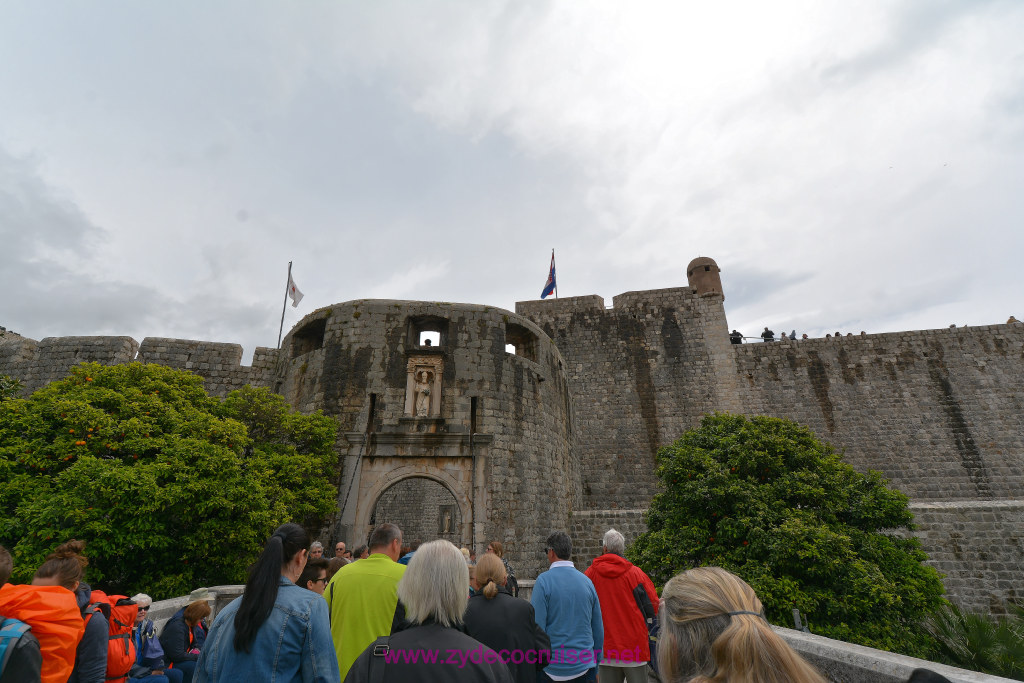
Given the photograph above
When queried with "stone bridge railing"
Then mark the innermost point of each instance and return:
(840, 662)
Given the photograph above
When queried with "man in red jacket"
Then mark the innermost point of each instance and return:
(626, 648)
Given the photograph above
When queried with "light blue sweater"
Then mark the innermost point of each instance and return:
(567, 607)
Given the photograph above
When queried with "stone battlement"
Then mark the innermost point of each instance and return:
(37, 363)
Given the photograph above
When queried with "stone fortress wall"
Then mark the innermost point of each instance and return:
(941, 414)
(938, 412)
(563, 432)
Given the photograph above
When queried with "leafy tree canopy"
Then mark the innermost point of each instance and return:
(171, 488)
(765, 499)
(9, 387)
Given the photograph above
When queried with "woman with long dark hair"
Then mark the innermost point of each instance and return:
(276, 630)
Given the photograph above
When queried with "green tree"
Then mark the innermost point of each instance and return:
(171, 488)
(765, 499)
(9, 387)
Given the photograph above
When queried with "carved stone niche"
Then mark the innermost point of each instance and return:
(423, 386)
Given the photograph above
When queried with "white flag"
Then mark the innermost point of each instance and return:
(293, 291)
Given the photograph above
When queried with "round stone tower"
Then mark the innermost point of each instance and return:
(454, 421)
(704, 276)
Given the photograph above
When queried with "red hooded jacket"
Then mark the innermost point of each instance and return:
(615, 577)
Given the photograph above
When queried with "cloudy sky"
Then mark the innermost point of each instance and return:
(850, 165)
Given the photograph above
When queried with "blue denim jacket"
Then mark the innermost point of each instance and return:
(294, 644)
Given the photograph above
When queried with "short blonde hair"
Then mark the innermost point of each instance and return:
(490, 573)
(435, 584)
(703, 639)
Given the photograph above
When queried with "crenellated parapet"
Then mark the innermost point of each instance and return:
(37, 363)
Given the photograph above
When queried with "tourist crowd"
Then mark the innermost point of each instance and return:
(386, 612)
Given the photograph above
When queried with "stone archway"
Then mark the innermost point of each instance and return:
(422, 507)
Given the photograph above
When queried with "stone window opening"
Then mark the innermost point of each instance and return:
(520, 341)
(427, 332)
(309, 337)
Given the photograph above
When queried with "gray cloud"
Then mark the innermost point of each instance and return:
(843, 173)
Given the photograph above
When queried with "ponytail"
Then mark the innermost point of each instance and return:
(490, 573)
(264, 580)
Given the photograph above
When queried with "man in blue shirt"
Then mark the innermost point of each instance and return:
(566, 607)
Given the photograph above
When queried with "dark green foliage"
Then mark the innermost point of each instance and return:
(9, 387)
(171, 488)
(973, 641)
(766, 500)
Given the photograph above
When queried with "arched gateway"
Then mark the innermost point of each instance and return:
(423, 508)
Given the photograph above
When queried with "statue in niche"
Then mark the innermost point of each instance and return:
(446, 525)
(424, 378)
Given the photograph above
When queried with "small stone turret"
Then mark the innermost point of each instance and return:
(704, 276)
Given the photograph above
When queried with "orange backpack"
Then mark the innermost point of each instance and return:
(53, 614)
(120, 612)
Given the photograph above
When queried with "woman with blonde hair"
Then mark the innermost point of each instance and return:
(713, 630)
(504, 623)
(496, 548)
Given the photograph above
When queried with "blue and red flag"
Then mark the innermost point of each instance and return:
(550, 285)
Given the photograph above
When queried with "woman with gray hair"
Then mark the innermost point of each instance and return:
(430, 647)
(150, 666)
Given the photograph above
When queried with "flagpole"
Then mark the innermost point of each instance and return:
(284, 306)
(553, 263)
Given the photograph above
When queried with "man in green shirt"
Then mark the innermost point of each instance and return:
(362, 596)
